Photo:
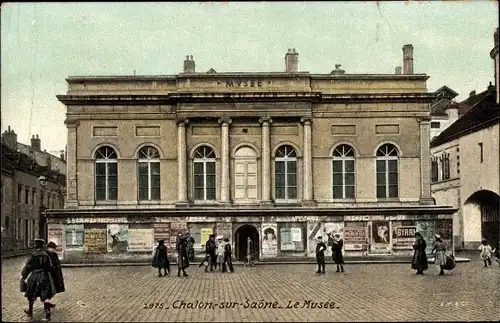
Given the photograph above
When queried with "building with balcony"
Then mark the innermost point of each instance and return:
(275, 158)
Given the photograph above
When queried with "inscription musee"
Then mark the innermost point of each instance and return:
(241, 83)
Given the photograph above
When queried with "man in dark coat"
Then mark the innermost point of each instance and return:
(160, 259)
(56, 273)
(228, 262)
(419, 261)
(182, 256)
(320, 255)
(211, 252)
(191, 241)
(37, 275)
(338, 243)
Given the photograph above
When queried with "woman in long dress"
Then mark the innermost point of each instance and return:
(419, 262)
(337, 256)
(440, 257)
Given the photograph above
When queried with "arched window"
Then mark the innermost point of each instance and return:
(148, 165)
(106, 174)
(245, 174)
(387, 171)
(285, 173)
(343, 172)
(204, 174)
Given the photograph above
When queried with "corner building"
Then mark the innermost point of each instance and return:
(277, 158)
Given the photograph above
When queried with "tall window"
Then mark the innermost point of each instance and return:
(106, 174)
(285, 173)
(387, 172)
(445, 167)
(343, 172)
(204, 174)
(481, 152)
(149, 174)
(434, 170)
(245, 174)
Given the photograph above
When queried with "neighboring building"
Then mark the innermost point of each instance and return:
(466, 170)
(23, 197)
(443, 110)
(277, 158)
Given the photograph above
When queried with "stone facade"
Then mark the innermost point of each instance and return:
(278, 158)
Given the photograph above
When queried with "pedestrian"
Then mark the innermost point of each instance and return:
(320, 255)
(191, 241)
(419, 261)
(56, 273)
(37, 275)
(496, 254)
(160, 259)
(220, 252)
(439, 248)
(211, 256)
(486, 252)
(228, 261)
(182, 256)
(337, 256)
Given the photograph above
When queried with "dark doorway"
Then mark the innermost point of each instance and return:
(488, 203)
(241, 237)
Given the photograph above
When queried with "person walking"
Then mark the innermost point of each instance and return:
(320, 255)
(191, 241)
(182, 256)
(486, 252)
(37, 275)
(228, 261)
(56, 273)
(439, 248)
(220, 252)
(419, 261)
(160, 259)
(337, 256)
(210, 250)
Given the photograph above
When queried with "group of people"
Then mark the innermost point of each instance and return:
(218, 255)
(337, 243)
(42, 277)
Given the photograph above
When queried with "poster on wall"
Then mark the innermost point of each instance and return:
(141, 240)
(161, 231)
(403, 236)
(355, 236)
(444, 228)
(95, 241)
(74, 236)
(427, 229)
(269, 239)
(380, 237)
(290, 236)
(327, 231)
(176, 228)
(205, 235)
(224, 229)
(55, 234)
(118, 238)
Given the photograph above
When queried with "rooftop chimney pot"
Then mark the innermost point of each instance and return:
(291, 61)
(408, 59)
(472, 93)
(398, 70)
(189, 64)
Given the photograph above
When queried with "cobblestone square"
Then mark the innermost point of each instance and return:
(365, 292)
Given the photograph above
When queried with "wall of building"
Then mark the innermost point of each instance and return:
(43, 158)
(8, 211)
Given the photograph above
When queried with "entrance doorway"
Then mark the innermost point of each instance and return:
(484, 204)
(241, 236)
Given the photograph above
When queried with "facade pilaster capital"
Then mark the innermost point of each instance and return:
(71, 123)
(225, 121)
(306, 120)
(182, 122)
(424, 120)
(265, 120)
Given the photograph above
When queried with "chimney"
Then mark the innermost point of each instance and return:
(189, 65)
(472, 93)
(398, 70)
(35, 143)
(291, 61)
(9, 139)
(408, 59)
(337, 70)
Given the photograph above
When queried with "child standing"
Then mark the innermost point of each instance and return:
(486, 252)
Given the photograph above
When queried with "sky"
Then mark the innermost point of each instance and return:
(43, 43)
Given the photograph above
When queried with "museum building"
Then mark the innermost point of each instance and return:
(273, 158)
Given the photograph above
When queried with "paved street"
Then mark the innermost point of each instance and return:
(369, 292)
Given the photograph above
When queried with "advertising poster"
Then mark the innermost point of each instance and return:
(118, 238)
(224, 229)
(380, 237)
(355, 237)
(176, 228)
(327, 230)
(427, 229)
(269, 239)
(205, 235)
(55, 234)
(95, 241)
(404, 236)
(141, 240)
(161, 231)
(74, 235)
(291, 236)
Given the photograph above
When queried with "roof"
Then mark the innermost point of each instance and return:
(446, 90)
(440, 108)
(484, 113)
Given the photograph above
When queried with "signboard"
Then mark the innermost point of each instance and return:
(118, 235)
(405, 236)
(95, 241)
(269, 240)
(380, 237)
(427, 229)
(161, 231)
(175, 229)
(355, 237)
(55, 234)
(141, 240)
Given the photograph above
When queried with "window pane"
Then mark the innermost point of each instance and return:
(292, 179)
(143, 169)
(143, 194)
(380, 166)
(210, 193)
(280, 180)
(349, 179)
(292, 167)
(393, 178)
(292, 193)
(100, 168)
(100, 194)
(100, 182)
(349, 166)
(211, 181)
(155, 194)
(211, 168)
(198, 193)
(112, 181)
(381, 192)
(337, 192)
(198, 181)
(198, 168)
(280, 167)
(143, 182)
(112, 168)
(380, 178)
(155, 181)
(349, 192)
(337, 179)
(155, 168)
(393, 191)
(113, 194)
(280, 192)
(393, 165)
(337, 166)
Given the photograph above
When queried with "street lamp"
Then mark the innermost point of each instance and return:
(43, 181)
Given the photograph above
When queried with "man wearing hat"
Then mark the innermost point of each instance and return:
(210, 250)
(320, 255)
(37, 275)
(56, 273)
